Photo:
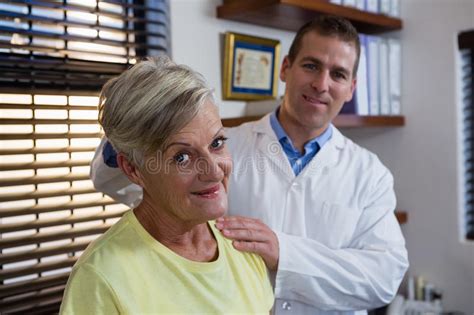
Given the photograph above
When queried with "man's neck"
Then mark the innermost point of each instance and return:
(298, 133)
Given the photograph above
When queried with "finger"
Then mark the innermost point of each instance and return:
(251, 247)
(269, 255)
(245, 235)
(236, 218)
(238, 223)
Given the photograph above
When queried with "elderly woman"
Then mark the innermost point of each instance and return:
(166, 256)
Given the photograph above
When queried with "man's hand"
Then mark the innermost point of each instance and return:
(251, 235)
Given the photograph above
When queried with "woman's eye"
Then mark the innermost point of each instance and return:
(181, 158)
(218, 143)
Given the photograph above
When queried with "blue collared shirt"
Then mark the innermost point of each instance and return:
(298, 160)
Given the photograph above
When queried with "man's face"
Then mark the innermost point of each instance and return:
(318, 82)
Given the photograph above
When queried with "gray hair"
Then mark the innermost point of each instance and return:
(140, 109)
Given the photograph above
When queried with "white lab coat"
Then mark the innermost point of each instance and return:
(341, 248)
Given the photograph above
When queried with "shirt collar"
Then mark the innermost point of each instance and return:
(282, 136)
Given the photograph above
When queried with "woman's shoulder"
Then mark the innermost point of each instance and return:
(108, 246)
(234, 256)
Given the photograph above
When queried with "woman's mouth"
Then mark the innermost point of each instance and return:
(208, 193)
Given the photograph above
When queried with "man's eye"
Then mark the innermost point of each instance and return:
(181, 158)
(339, 75)
(218, 143)
(309, 66)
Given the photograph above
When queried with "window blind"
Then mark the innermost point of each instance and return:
(76, 44)
(466, 46)
(54, 57)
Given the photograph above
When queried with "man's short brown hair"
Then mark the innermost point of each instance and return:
(327, 25)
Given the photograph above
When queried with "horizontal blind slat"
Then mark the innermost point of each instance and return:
(48, 121)
(51, 136)
(37, 150)
(37, 209)
(42, 180)
(42, 223)
(37, 165)
(65, 22)
(54, 107)
(68, 7)
(73, 205)
(36, 268)
(22, 287)
(108, 66)
(32, 300)
(50, 63)
(80, 39)
(47, 194)
(43, 252)
(44, 308)
(53, 236)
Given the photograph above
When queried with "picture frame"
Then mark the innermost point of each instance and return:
(250, 67)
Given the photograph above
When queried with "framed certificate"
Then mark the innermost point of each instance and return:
(250, 67)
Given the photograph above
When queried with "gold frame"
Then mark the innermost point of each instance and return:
(229, 91)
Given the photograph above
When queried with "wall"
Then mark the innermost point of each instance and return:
(421, 155)
(197, 41)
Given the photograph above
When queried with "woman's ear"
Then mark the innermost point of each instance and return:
(130, 170)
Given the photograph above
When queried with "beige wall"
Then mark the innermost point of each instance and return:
(423, 154)
(196, 41)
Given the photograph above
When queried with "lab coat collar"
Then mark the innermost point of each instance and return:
(264, 126)
(270, 147)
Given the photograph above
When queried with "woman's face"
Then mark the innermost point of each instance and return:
(189, 179)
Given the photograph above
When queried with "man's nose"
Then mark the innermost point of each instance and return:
(321, 81)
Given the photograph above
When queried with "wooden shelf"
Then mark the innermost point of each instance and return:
(356, 121)
(341, 121)
(291, 14)
(234, 122)
(402, 216)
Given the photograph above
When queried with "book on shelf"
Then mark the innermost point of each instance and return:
(385, 7)
(395, 8)
(384, 77)
(378, 87)
(373, 74)
(349, 3)
(395, 69)
(360, 4)
(350, 108)
(362, 96)
(372, 6)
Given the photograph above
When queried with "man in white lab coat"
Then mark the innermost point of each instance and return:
(317, 207)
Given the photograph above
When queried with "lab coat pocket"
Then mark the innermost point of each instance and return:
(333, 225)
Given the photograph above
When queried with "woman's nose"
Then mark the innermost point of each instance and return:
(210, 169)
